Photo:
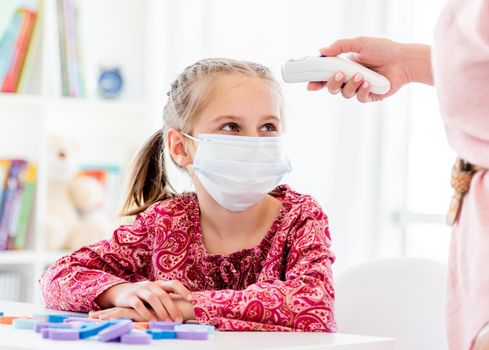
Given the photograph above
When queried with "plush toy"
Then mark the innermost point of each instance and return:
(73, 211)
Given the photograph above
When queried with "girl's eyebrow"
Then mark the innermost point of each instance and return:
(234, 118)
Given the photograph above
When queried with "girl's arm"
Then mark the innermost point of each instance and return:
(74, 281)
(304, 301)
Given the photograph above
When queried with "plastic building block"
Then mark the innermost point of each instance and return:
(63, 334)
(116, 330)
(196, 327)
(21, 323)
(158, 334)
(192, 335)
(92, 329)
(136, 338)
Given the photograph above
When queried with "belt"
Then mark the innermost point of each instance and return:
(462, 173)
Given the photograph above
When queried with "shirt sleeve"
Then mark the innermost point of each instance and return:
(303, 301)
(74, 282)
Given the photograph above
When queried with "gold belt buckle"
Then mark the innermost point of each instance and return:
(462, 173)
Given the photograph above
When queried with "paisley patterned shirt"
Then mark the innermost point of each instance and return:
(283, 284)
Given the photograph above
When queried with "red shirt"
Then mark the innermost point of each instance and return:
(284, 283)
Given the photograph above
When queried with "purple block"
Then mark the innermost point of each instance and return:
(64, 334)
(136, 338)
(192, 335)
(117, 330)
(166, 326)
(45, 333)
(42, 325)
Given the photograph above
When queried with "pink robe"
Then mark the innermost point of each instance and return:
(461, 71)
(285, 283)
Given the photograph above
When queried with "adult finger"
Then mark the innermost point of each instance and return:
(351, 87)
(166, 300)
(343, 46)
(335, 84)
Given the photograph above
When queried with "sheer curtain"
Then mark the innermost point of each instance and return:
(338, 147)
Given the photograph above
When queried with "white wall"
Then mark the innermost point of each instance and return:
(336, 146)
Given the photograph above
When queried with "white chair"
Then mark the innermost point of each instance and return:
(402, 298)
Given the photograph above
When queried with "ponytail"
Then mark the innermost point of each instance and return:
(148, 183)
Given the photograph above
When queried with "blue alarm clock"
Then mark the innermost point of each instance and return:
(110, 83)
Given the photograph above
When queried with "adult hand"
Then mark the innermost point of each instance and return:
(400, 63)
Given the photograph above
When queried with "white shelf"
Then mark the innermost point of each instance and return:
(17, 257)
(112, 129)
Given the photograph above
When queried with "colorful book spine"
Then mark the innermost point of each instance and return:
(8, 44)
(26, 205)
(9, 205)
(71, 72)
(16, 203)
(33, 52)
(4, 171)
(65, 83)
(20, 51)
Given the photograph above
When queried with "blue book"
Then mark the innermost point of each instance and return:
(9, 203)
(7, 44)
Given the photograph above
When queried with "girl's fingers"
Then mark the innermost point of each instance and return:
(97, 314)
(352, 86)
(141, 309)
(176, 287)
(335, 84)
(173, 311)
(152, 296)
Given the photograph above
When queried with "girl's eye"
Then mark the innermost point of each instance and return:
(269, 127)
(231, 127)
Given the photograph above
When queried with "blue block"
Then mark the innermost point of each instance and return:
(157, 334)
(94, 328)
(1, 313)
(57, 318)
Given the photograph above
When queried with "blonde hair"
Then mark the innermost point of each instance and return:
(188, 96)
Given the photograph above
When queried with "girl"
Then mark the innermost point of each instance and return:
(239, 253)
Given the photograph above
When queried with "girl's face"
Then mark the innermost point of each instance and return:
(241, 106)
(244, 107)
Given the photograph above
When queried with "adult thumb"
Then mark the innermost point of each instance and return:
(342, 46)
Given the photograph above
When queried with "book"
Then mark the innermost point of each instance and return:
(20, 50)
(10, 201)
(71, 72)
(29, 80)
(26, 204)
(7, 44)
(4, 170)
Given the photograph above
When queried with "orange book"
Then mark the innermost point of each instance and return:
(21, 46)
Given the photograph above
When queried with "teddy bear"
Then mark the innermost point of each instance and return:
(73, 210)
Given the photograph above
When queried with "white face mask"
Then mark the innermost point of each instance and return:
(237, 171)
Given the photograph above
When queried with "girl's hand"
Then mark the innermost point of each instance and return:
(151, 300)
(117, 312)
(400, 63)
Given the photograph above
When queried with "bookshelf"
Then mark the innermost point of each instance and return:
(111, 33)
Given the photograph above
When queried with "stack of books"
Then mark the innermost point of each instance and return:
(16, 47)
(71, 73)
(17, 192)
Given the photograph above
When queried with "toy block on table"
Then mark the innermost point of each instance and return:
(64, 334)
(158, 334)
(115, 331)
(136, 338)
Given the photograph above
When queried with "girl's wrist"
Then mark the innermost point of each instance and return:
(416, 59)
(106, 298)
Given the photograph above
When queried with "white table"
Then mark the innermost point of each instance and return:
(17, 339)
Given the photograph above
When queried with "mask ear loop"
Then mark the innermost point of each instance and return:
(190, 136)
(190, 167)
